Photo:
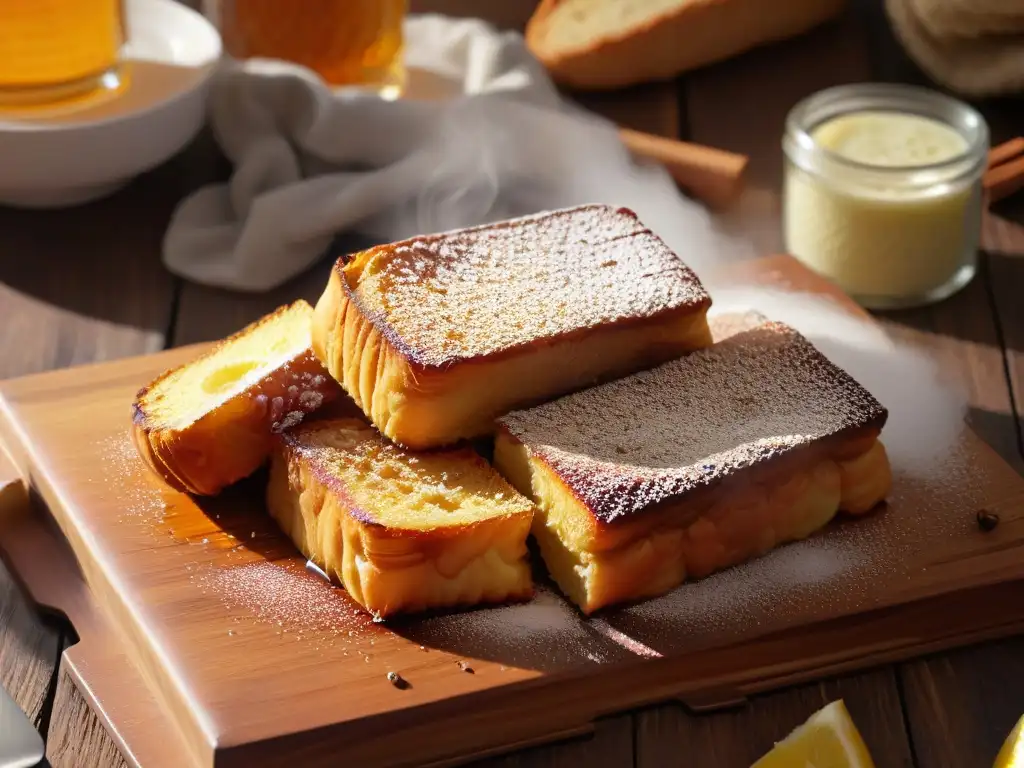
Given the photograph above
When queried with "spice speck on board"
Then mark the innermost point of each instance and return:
(987, 520)
(398, 681)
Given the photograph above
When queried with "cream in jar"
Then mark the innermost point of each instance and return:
(883, 191)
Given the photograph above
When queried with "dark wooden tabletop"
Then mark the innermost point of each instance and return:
(86, 284)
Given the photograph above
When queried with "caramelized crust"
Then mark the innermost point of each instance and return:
(435, 337)
(401, 531)
(211, 422)
(694, 466)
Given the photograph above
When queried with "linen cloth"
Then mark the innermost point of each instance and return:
(481, 134)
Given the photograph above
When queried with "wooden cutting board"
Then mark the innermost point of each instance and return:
(204, 635)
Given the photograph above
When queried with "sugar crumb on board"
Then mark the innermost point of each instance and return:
(546, 632)
(287, 596)
(125, 478)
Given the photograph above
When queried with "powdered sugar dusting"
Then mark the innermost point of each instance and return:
(546, 633)
(621, 639)
(926, 407)
(286, 595)
(475, 292)
(127, 481)
(630, 444)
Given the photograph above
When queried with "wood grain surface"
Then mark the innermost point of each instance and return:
(29, 648)
(740, 737)
(76, 736)
(70, 293)
(957, 705)
(175, 577)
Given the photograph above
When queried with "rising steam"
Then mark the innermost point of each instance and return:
(489, 160)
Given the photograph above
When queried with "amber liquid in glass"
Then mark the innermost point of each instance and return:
(54, 51)
(355, 43)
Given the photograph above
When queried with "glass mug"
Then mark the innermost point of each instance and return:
(349, 43)
(59, 51)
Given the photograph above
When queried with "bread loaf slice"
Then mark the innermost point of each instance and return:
(401, 531)
(211, 422)
(597, 44)
(436, 336)
(694, 466)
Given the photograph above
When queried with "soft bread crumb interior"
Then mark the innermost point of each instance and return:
(196, 389)
(576, 24)
(401, 534)
(409, 491)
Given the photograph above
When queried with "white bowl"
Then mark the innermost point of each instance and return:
(57, 159)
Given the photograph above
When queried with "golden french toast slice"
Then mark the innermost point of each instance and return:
(436, 336)
(211, 422)
(694, 466)
(401, 531)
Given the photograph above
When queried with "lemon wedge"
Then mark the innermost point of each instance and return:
(828, 739)
(1012, 753)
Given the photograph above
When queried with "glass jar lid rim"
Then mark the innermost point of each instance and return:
(911, 96)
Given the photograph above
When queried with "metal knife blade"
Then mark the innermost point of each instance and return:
(21, 746)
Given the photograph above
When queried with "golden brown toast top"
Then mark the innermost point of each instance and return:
(470, 293)
(407, 492)
(626, 446)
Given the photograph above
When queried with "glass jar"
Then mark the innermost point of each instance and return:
(350, 44)
(882, 191)
(62, 54)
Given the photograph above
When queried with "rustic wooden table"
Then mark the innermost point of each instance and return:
(86, 284)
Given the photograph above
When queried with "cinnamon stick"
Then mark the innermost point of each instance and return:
(714, 176)
(1003, 180)
(1005, 171)
(1005, 151)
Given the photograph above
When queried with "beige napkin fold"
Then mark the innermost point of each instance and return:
(974, 47)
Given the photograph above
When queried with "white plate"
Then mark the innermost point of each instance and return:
(65, 158)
